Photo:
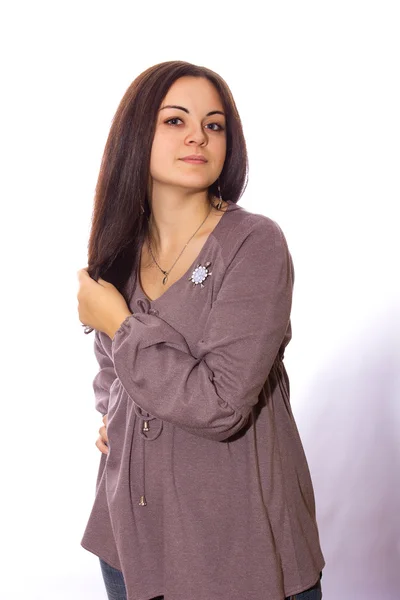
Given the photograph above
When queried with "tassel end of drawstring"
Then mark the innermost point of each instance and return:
(142, 501)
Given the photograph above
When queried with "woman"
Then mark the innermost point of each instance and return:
(203, 491)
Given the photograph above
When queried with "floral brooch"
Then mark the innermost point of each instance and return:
(200, 274)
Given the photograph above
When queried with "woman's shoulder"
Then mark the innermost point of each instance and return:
(253, 227)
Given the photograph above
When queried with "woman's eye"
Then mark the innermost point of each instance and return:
(170, 121)
(215, 127)
(212, 126)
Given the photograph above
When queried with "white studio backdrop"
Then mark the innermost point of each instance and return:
(317, 87)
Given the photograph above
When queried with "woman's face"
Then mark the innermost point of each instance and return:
(190, 122)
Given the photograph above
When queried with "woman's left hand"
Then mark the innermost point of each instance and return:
(100, 304)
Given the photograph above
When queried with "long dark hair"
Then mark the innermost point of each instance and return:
(118, 228)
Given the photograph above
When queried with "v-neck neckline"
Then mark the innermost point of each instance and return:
(190, 270)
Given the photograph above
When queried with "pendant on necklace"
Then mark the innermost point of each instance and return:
(200, 274)
(165, 278)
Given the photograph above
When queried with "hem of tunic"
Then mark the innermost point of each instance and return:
(110, 562)
(304, 587)
(102, 556)
(292, 592)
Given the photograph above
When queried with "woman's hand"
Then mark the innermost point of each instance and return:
(102, 441)
(100, 305)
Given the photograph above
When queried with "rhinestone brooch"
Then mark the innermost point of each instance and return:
(200, 274)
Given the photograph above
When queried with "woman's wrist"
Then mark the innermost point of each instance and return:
(117, 323)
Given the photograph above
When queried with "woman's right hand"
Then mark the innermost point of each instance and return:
(102, 441)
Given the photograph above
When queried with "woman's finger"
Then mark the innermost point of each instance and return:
(103, 433)
(101, 446)
(102, 441)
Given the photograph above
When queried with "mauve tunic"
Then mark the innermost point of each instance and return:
(205, 493)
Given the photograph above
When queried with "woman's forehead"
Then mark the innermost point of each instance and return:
(193, 93)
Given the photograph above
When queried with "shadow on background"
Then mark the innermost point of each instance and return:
(352, 441)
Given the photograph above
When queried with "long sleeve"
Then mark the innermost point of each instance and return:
(104, 377)
(211, 395)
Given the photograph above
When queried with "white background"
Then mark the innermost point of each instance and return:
(317, 87)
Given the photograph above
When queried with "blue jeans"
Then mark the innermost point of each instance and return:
(115, 586)
(114, 582)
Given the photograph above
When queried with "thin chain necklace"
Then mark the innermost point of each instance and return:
(166, 273)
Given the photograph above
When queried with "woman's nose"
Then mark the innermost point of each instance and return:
(197, 136)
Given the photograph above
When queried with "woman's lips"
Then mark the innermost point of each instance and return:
(194, 160)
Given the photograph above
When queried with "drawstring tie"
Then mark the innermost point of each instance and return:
(148, 431)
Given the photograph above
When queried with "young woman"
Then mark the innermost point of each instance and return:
(203, 490)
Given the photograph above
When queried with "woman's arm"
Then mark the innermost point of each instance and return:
(212, 395)
(104, 377)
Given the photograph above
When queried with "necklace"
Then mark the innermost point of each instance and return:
(166, 273)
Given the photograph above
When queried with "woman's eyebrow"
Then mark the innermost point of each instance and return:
(213, 112)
